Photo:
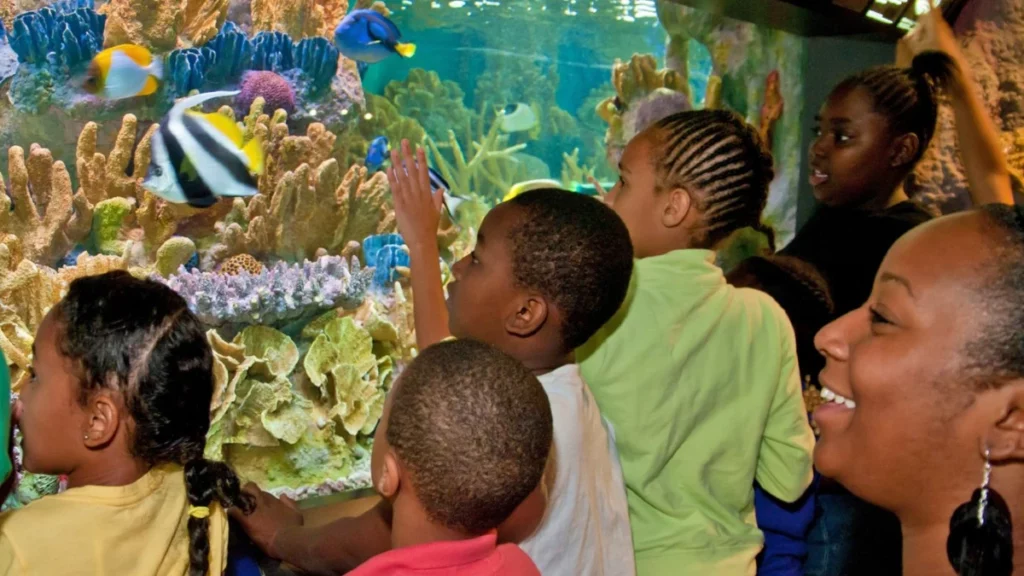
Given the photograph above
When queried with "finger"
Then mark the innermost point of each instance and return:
(423, 169)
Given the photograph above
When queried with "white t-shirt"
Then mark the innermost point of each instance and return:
(585, 530)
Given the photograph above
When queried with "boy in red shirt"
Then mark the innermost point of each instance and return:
(463, 441)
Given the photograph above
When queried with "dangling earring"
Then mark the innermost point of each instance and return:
(980, 539)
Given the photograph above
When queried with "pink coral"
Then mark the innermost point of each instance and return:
(273, 88)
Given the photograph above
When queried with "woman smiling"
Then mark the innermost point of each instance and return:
(926, 383)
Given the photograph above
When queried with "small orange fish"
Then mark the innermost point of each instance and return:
(124, 71)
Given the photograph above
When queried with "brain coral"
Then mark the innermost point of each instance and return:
(271, 86)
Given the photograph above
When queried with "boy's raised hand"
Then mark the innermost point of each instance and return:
(417, 206)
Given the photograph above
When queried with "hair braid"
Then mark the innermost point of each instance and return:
(908, 97)
(138, 338)
(720, 158)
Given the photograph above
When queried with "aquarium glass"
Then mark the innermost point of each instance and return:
(303, 284)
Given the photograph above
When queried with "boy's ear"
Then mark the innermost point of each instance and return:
(529, 318)
(390, 477)
(904, 150)
(678, 205)
(102, 419)
(1005, 439)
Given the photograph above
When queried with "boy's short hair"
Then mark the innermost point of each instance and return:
(575, 251)
(473, 428)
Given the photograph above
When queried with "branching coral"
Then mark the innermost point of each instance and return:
(487, 169)
(305, 202)
(46, 217)
(279, 294)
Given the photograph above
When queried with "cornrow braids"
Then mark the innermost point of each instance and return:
(723, 161)
(138, 338)
(908, 97)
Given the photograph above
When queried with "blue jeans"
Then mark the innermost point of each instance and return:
(850, 537)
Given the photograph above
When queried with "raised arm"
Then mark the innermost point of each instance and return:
(988, 174)
(418, 211)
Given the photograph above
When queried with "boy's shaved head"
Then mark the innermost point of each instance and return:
(473, 429)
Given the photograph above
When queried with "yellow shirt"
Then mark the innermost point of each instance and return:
(139, 529)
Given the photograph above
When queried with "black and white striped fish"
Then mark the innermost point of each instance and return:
(199, 158)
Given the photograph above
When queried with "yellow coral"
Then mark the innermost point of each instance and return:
(162, 26)
(45, 234)
(298, 18)
(241, 263)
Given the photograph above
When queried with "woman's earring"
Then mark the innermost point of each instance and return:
(981, 533)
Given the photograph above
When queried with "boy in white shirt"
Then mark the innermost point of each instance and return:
(549, 269)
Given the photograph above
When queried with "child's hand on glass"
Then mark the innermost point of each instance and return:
(417, 205)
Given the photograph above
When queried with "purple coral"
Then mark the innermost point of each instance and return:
(271, 86)
(280, 293)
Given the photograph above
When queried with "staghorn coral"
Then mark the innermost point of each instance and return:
(573, 172)
(299, 18)
(486, 172)
(46, 217)
(163, 26)
(279, 294)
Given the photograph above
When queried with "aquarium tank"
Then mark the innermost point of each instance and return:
(302, 284)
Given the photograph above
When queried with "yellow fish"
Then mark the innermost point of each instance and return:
(529, 185)
(124, 71)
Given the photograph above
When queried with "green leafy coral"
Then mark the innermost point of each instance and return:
(438, 105)
(283, 428)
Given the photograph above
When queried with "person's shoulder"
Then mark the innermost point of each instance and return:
(766, 313)
(514, 562)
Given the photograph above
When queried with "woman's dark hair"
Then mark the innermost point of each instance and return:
(997, 355)
(723, 161)
(907, 97)
(139, 339)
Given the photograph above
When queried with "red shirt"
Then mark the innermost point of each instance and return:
(476, 557)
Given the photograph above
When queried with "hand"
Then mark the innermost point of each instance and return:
(270, 516)
(417, 206)
(932, 33)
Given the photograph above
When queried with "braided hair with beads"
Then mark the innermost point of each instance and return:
(139, 338)
(723, 162)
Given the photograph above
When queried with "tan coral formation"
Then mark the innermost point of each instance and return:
(298, 18)
(165, 25)
(47, 218)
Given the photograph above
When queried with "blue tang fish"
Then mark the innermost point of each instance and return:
(369, 36)
(377, 154)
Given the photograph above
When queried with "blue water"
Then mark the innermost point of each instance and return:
(571, 44)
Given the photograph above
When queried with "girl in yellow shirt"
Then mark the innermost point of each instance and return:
(119, 403)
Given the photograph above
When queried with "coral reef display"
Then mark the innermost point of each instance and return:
(304, 287)
(992, 36)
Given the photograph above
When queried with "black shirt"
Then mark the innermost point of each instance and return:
(847, 247)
